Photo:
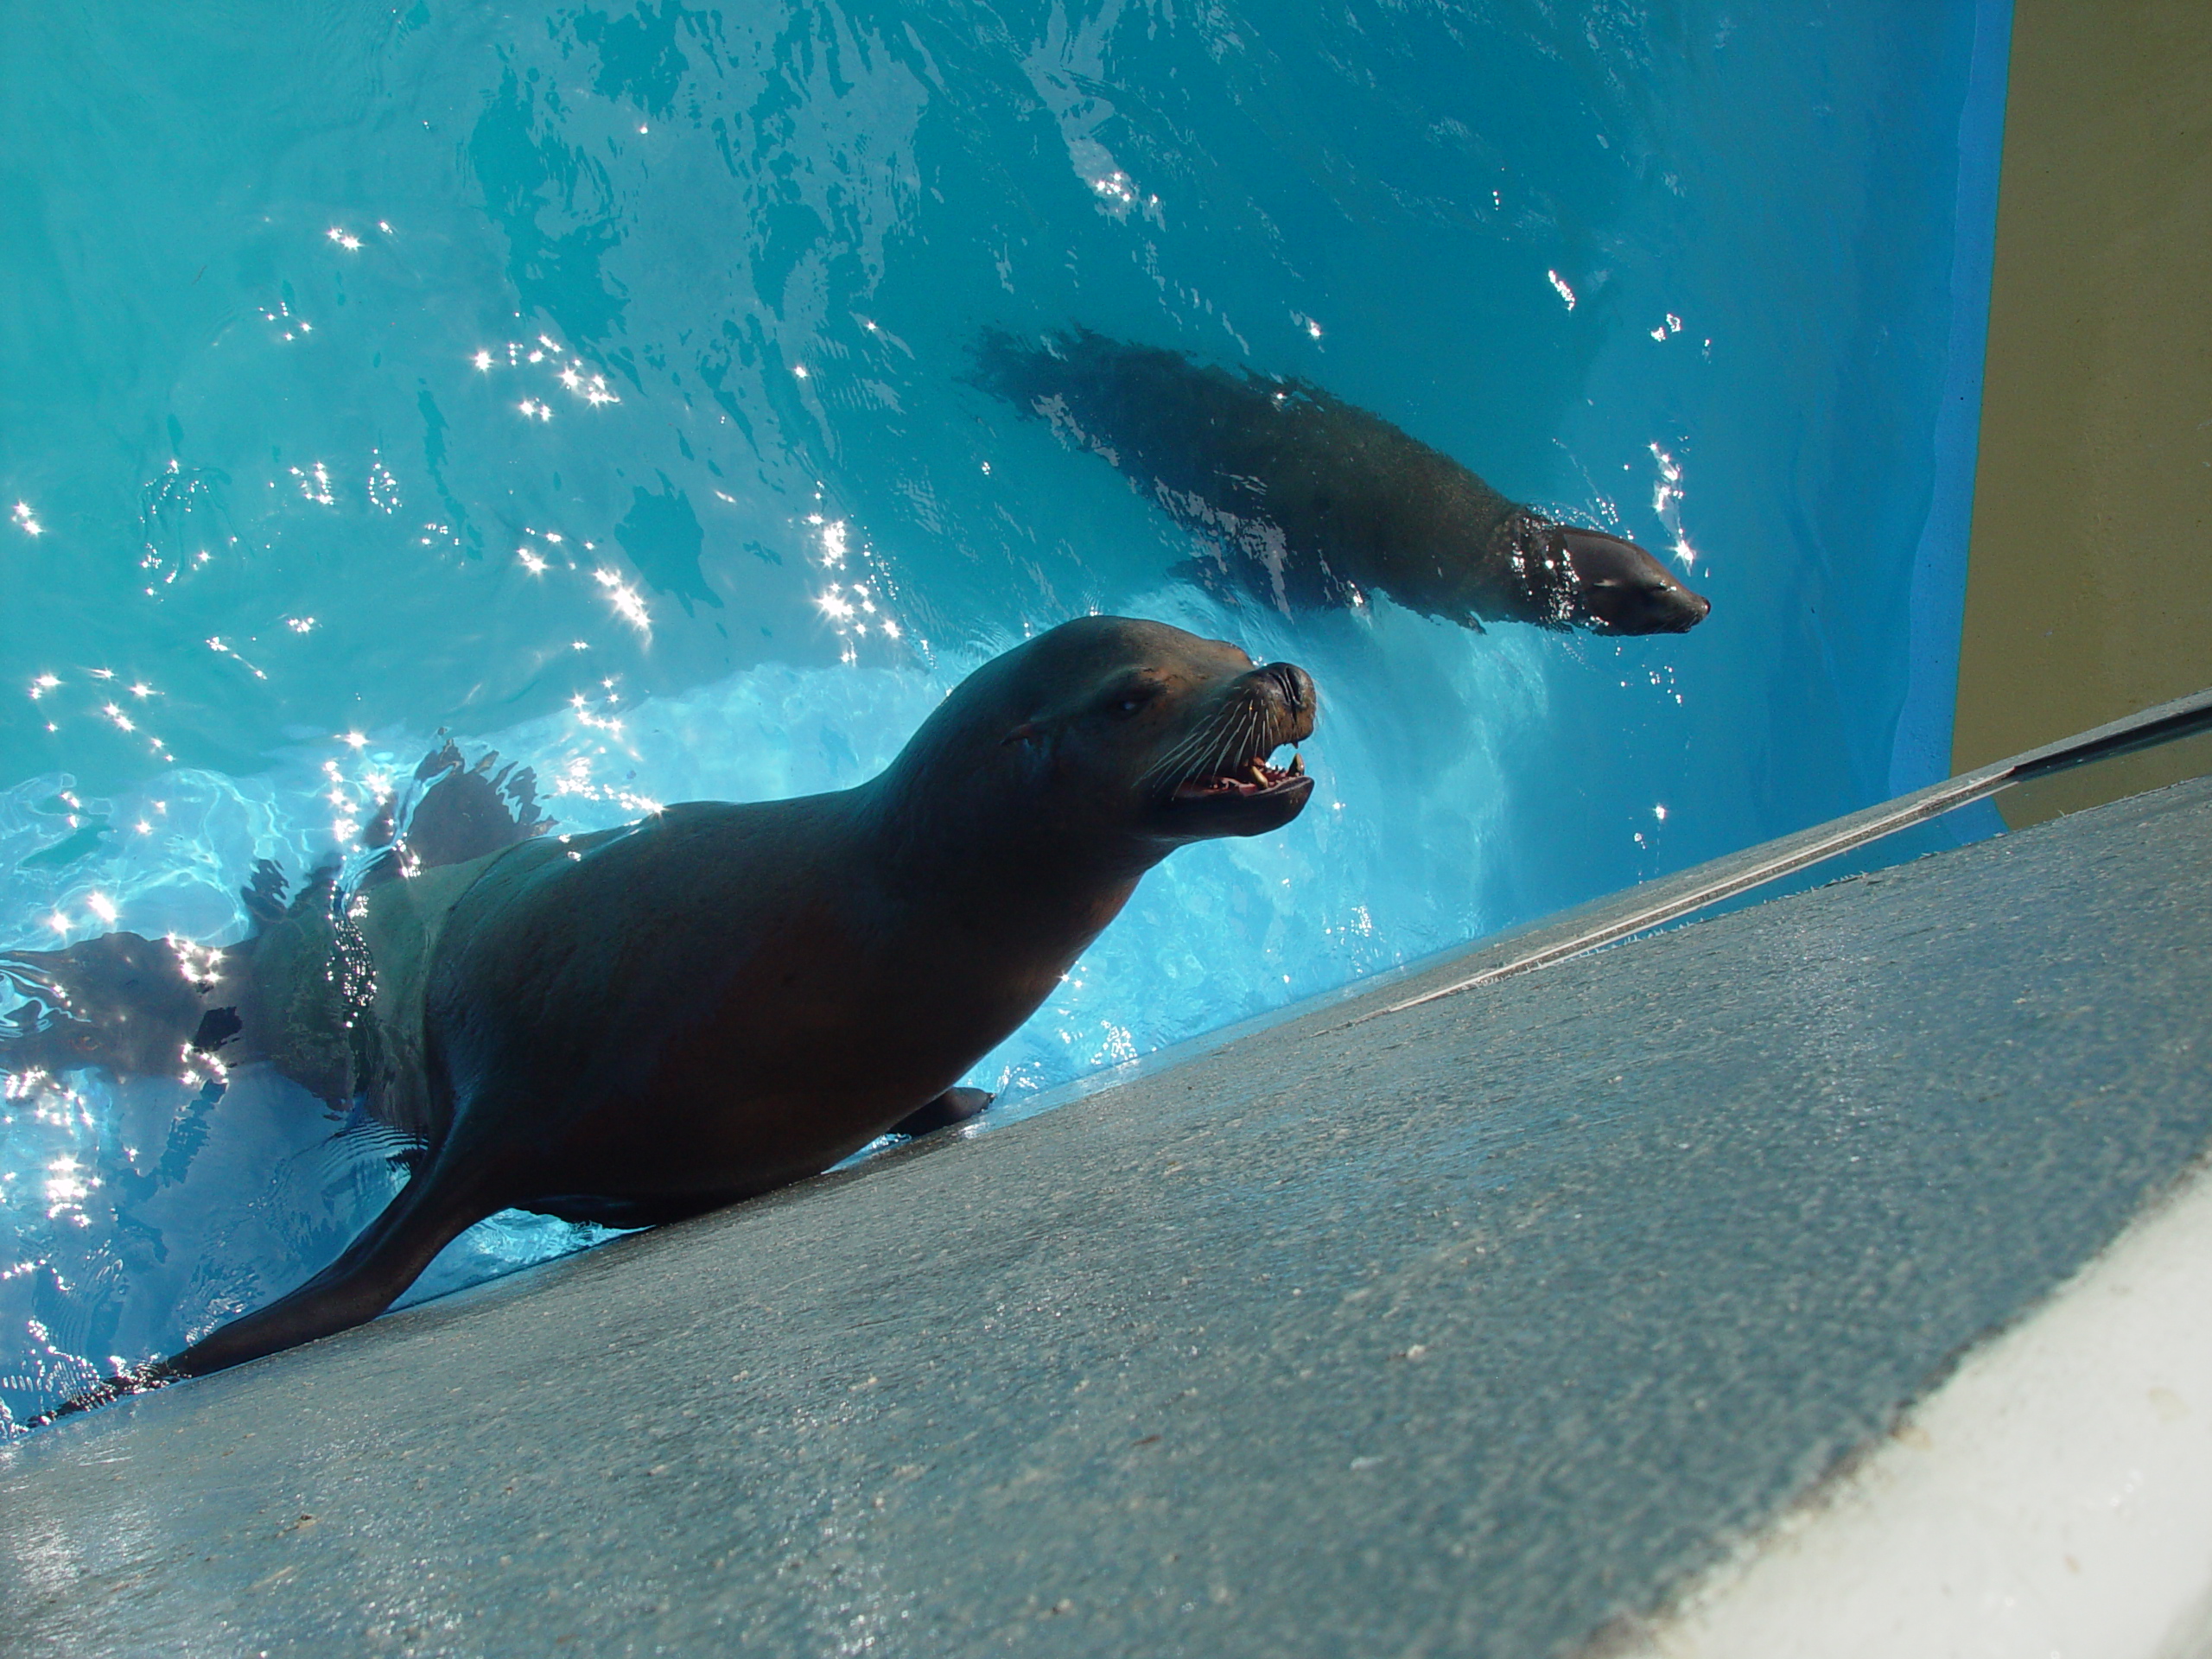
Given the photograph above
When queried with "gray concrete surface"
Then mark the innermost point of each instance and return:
(1460, 1331)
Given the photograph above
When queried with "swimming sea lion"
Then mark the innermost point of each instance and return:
(1309, 502)
(648, 1022)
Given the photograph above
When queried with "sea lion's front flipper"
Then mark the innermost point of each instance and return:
(953, 1106)
(352, 1290)
(433, 1209)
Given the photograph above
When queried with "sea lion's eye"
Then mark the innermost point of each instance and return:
(1130, 698)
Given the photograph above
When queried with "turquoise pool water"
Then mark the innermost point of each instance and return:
(597, 386)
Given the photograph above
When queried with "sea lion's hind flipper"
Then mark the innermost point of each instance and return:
(264, 895)
(119, 1000)
(953, 1106)
(517, 785)
(464, 811)
(216, 1027)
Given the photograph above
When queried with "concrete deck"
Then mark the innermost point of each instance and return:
(1467, 1331)
(2053, 1497)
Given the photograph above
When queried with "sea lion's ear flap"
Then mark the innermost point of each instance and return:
(1022, 733)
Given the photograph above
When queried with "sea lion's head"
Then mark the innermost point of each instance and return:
(1620, 588)
(1129, 737)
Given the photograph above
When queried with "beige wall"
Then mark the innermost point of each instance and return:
(2089, 588)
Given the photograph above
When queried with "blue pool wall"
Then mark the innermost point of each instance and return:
(690, 207)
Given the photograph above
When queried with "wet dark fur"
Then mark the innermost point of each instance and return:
(1310, 502)
(643, 1023)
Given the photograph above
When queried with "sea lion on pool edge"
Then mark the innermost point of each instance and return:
(1308, 501)
(649, 1022)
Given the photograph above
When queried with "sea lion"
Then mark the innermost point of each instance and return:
(648, 1022)
(1310, 502)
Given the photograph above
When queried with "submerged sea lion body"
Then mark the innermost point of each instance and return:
(1309, 502)
(301, 992)
(648, 1022)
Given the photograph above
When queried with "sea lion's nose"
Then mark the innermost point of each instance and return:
(1295, 683)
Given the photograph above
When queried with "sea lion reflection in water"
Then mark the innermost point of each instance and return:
(645, 1023)
(1309, 502)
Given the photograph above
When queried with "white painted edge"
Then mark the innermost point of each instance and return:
(2052, 1499)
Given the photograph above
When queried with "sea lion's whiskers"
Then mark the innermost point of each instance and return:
(1230, 744)
(1247, 730)
(1252, 739)
(1218, 741)
(1163, 766)
(1190, 756)
(1233, 731)
(1178, 763)
(1256, 745)
(1228, 728)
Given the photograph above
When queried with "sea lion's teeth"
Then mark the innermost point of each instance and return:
(1298, 766)
(1259, 774)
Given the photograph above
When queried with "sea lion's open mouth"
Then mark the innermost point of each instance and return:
(1219, 779)
(1247, 797)
(1250, 777)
